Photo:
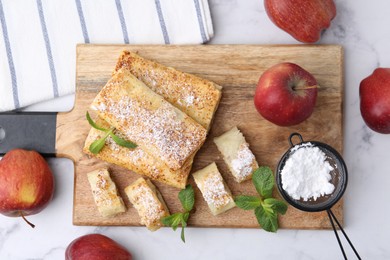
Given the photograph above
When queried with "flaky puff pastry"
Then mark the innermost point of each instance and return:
(149, 203)
(236, 154)
(195, 96)
(214, 189)
(136, 160)
(105, 193)
(147, 119)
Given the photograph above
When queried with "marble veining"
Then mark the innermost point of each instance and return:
(361, 27)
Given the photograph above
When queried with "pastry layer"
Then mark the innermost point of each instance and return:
(197, 97)
(214, 189)
(137, 160)
(149, 203)
(236, 154)
(147, 119)
(105, 193)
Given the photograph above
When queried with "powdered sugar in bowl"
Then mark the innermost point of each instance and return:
(311, 176)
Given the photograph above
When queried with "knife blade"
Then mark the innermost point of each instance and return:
(28, 130)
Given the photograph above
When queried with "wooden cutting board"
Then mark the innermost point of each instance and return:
(236, 68)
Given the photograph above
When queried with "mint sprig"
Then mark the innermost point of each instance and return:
(265, 207)
(98, 145)
(187, 200)
(264, 181)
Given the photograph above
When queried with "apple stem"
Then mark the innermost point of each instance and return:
(308, 87)
(24, 218)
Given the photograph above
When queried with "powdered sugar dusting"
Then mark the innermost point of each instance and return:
(189, 100)
(136, 159)
(176, 87)
(214, 191)
(103, 195)
(243, 164)
(306, 173)
(163, 130)
(146, 200)
(135, 156)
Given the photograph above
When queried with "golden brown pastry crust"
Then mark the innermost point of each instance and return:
(105, 193)
(137, 160)
(147, 119)
(197, 97)
(214, 189)
(149, 203)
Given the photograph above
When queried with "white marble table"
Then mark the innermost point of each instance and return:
(362, 27)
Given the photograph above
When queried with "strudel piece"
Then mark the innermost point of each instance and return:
(145, 118)
(137, 160)
(214, 189)
(236, 154)
(197, 97)
(149, 203)
(105, 193)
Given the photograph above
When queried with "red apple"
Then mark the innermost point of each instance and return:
(375, 100)
(286, 94)
(26, 183)
(302, 19)
(96, 247)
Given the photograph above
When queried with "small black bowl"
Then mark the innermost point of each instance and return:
(339, 177)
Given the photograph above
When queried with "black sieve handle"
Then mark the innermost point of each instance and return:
(291, 137)
(333, 217)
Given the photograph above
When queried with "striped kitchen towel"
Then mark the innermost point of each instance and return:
(38, 38)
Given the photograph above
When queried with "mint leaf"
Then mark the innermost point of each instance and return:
(263, 180)
(266, 208)
(267, 218)
(187, 198)
(247, 202)
(98, 145)
(276, 205)
(93, 124)
(186, 216)
(183, 225)
(122, 142)
(172, 220)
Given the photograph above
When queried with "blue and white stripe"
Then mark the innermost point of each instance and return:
(122, 21)
(82, 21)
(38, 49)
(10, 58)
(162, 22)
(200, 20)
(48, 48)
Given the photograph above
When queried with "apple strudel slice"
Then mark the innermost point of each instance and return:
(214, 189)
(197, 97)
(147, 119)
(105, 193)
(149, 203)
(136, 160)
(236, 154)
